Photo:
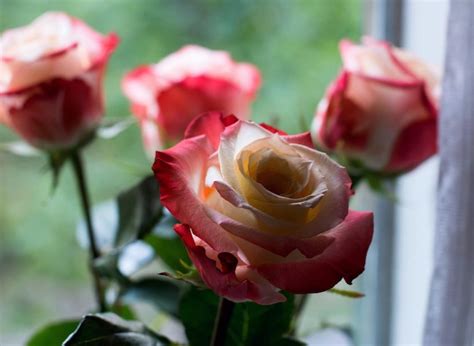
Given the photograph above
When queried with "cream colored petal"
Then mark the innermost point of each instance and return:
(430, 74)
(264, 187)
(233, 140)
(46, 48)
(333, 207)
(373, 58)
(227, 202)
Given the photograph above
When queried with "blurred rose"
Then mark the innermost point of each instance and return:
(51, 80)
(261, 211)
(168, 95)
(382, 110)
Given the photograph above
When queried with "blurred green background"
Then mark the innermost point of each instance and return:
(293, 42)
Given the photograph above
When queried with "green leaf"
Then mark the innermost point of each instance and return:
(162, 292)
(107, 266)
(347, 293)
(124, 311)
(167, 244)
(191, 276)
(380, 185)
(113, 128)
(198, 327)
(56, 163)
(120, 264)
(105, 221)
(131, 216)
(53, 334)
(109, 329)
(139, 209)
(20, 148)
(254, 324)
(250, 324)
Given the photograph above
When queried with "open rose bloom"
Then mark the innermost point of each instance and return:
(168, 95)
(51, 80)
(261, 211)
(381, 110)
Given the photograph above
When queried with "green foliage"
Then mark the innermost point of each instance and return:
(112, 128)
(139, 208)
(254, 324)
(159, 291)
(20, 148)
(347, 293)
(198, 329)
(189, 275)
(107, 266)
(250, 324)
(379, 182)
(167, 244)
(109, 329)
(124, 311)
(53, 334)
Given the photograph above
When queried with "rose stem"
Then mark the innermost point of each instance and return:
(85, 204)
(224, 313)
(300, 302)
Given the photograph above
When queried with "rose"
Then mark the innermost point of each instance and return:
(382, 109)
(51, 80)
(168, 95)
(261, 210)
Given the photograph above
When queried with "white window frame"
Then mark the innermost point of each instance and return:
(399, 265)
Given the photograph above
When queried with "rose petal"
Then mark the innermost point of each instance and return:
(233, 139)
(194, 61)
(261, 221)
(188, 83)
(210, 124)
(82, 49)
(140, 86)
(373, 59)
(333, 207)
(99, 47)
(276, 244)
(415, 144)
(182, 101)
(68, 117)
(422, 71)
(300, 138)
(343, 258)
(180, 172)
(273, 129)
(151, 137)
(382, 109)
(225, 283)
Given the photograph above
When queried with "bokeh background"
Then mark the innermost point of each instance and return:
(43, 272)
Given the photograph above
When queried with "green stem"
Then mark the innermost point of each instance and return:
(224, 313)
(85, 204)
(300, 303)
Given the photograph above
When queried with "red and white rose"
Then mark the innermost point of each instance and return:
(51, 75)
(382, 110)
(168, 95)
(261, 211)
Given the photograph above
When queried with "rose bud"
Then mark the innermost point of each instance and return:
(382, 110)
(51, 80)
(166, 96)
(261, 211)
